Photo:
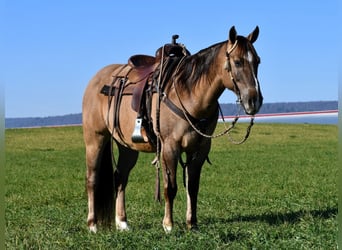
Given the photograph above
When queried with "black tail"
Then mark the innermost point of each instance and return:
(104, 188)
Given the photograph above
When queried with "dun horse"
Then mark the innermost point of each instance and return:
(165, 104)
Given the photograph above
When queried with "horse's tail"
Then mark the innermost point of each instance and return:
(104, 188)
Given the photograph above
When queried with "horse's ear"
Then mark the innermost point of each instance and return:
(232, 35)
(252, 37)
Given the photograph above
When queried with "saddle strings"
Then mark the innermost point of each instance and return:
(156, 161)
(115, 128)
(110, 99)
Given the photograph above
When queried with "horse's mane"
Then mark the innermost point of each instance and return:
(197, 65)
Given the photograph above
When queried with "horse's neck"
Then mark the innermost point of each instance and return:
(201, 97)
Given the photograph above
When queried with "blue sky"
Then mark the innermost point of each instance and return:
(51, 49)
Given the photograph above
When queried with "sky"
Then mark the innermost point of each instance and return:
(51, 49)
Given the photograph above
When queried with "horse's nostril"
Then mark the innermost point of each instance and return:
(252, 102)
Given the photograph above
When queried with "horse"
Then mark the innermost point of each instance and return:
(184, 108)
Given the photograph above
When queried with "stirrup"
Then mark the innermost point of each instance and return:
(136, 136)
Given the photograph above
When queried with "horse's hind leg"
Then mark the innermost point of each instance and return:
(126, 161)
(99, 180)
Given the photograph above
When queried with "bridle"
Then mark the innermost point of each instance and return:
(227, 66)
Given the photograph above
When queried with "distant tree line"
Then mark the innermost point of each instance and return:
(63, 120)
(228, 109)
(285, 107)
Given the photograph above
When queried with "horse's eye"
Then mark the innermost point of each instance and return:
(238, 63)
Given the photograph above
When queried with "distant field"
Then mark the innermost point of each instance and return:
(276, 191)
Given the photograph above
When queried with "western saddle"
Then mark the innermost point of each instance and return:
(137, 78)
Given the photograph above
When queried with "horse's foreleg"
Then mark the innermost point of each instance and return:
(126, 161)
(169, 163)
(193, 173)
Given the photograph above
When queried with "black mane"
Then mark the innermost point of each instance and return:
(197, 65)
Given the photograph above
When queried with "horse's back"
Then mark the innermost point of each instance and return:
(103, 76)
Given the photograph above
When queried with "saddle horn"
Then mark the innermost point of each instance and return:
(174, 38)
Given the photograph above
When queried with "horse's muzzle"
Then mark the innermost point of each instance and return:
(252, 101)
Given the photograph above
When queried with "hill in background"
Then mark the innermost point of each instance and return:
(228, 109)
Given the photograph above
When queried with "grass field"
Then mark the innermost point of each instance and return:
(276, 191)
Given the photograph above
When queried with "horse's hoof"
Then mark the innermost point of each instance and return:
(193, 228)
(121, 225)
(93, 229)
(167, 228)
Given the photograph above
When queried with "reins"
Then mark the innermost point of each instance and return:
(248, 130)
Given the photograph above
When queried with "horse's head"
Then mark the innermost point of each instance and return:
(242, 66)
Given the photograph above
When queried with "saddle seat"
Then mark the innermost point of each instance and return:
(142, 67)
(141, 60)
(145, 65)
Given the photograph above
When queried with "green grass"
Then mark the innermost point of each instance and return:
(276, 191)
